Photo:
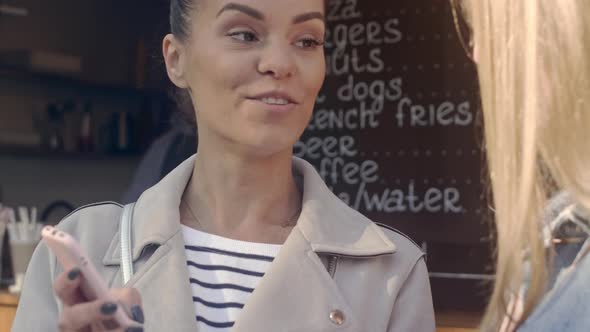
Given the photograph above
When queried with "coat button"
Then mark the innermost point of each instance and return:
(337, 317)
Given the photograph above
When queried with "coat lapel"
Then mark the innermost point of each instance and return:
(296, 294)
(166, 293)
(161, 277)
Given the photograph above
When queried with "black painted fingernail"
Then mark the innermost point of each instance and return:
(108, 308)
(134, 329)
(74, 273)
(137, 314)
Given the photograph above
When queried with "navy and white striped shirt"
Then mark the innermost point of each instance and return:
(223, 273)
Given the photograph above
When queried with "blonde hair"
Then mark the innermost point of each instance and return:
(533, 60)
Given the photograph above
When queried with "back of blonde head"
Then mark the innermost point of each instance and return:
(534, 71)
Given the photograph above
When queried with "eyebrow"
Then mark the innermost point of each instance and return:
(308, 17)
(259, 16)
(242, 8)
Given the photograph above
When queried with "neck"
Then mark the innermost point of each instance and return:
(242, 197)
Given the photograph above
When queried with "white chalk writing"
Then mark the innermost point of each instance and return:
(444, 114)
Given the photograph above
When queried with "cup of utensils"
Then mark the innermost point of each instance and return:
(24, 234)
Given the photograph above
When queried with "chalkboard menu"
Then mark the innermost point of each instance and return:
(396, 134)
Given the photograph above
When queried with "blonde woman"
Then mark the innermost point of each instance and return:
(533, 61)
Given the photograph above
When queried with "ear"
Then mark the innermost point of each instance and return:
(175, 58)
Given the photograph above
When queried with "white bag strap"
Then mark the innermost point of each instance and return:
(126, 245)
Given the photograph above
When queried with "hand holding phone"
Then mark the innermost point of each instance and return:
(92, 288)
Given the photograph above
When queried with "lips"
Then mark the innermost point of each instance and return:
(274, 101)
(275, 98)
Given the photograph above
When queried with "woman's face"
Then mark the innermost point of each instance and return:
(255, 68)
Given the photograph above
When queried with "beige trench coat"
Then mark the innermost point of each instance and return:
(379, 281)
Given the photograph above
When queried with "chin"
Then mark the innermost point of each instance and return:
(271, 142)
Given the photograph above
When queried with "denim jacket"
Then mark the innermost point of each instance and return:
(567, 306)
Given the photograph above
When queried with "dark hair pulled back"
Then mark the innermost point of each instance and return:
(180, 11)
(179, 17)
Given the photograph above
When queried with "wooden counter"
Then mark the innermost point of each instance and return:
(8, 303)
(457, 321)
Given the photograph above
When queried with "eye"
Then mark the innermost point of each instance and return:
(309, 43)
(244, 36)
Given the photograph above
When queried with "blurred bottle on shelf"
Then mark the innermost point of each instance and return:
(53, 139)
(85, 142)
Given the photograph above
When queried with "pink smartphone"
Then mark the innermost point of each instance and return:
(93, 287)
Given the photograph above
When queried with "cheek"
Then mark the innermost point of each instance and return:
(313, 75)
(216, 73)
(229, 71)
(211, 71)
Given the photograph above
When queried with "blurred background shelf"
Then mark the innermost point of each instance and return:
(52, 79)
(40, 153)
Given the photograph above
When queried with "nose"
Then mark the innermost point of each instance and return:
(277, 60)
